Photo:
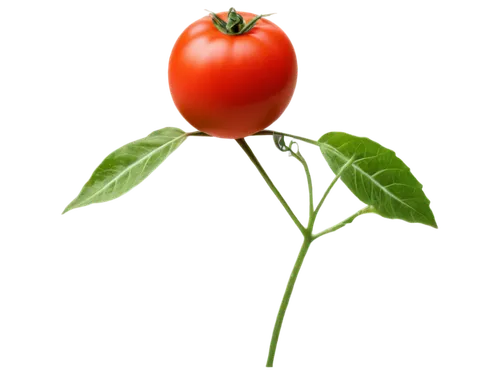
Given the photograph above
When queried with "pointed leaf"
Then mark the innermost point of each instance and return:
(128, 166)
(378, 177)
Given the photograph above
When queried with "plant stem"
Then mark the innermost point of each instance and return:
(272, 132)
(244, 145)
(297, 155)
(350, 219)
(286, 299)
(324, 197)
(263, 132)
(198, 134)
(344, 167)
(306, 232)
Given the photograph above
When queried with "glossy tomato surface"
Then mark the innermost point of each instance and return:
(232, 86)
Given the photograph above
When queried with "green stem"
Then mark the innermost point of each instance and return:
(297, 155)
(307, 232)
(235, 24)
(198, 134)
(263, 132)
(244, 145)
(350, 219)
(286, 299)
(344, 167)
(272, 132)
(324, 197)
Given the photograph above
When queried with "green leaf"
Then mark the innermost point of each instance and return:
(377, 177)
(128, 166)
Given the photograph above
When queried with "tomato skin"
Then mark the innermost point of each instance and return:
(232, 86)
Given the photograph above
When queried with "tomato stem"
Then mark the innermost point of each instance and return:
(252, 157)
(286, 300)
(272, 132)
(235, 24)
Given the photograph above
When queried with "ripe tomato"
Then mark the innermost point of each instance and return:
(232, 86)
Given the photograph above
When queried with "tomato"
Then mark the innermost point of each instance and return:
(232, 86)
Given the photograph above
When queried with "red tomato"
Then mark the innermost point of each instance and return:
(232, 86)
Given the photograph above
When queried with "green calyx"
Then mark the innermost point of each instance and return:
(235, 24)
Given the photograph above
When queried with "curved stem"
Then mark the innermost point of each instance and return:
(344, 167)
(324, 197)
(297, 155)
(286, 299)
(244, 145)
(263, 132)
(350, 219)
(272, 132)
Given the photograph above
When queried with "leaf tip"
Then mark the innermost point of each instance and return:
(431, 224)
(69, 207)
